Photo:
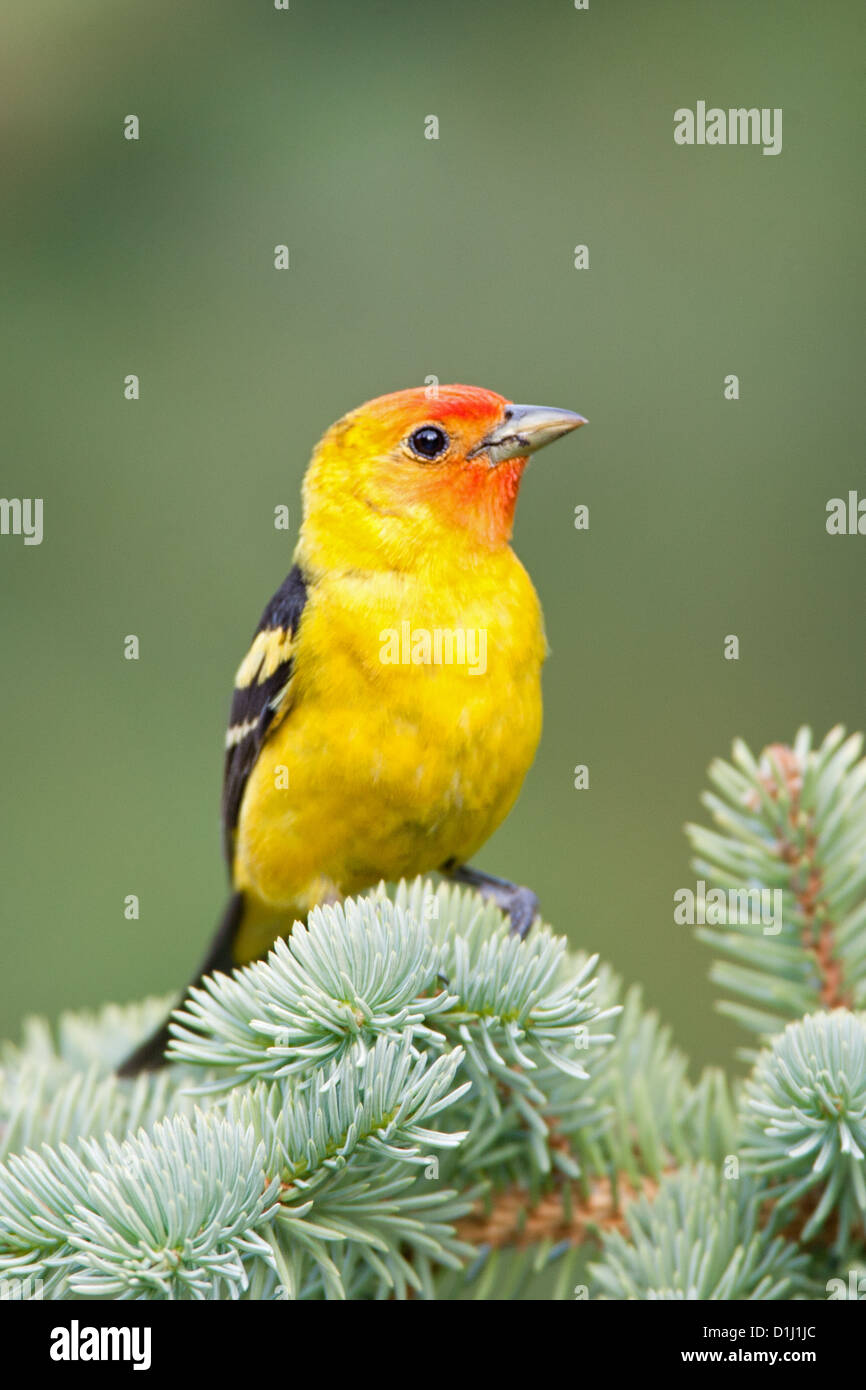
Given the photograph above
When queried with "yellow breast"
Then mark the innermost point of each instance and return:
(416, 712)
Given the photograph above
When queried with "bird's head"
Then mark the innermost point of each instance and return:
(424, 468)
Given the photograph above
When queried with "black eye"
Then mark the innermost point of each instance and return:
(428, 442)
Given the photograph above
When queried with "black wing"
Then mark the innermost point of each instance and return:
(262, 695)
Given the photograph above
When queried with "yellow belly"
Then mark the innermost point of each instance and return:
(387, 766)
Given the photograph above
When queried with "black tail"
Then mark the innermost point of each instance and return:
(150, 1054)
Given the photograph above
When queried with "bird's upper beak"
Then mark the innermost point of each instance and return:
(524, 429)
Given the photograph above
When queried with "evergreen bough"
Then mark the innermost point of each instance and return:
(403, 1100)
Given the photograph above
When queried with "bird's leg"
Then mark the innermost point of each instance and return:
(521, 904)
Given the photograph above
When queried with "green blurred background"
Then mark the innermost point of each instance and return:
(412, 257)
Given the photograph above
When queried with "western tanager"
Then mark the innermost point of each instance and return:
(389, 705)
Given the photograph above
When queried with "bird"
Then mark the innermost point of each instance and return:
(389, 705)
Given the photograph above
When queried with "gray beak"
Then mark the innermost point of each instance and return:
(524, 429)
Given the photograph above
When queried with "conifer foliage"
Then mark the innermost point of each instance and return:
(403, 1100)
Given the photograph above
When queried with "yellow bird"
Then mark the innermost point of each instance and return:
(389, 706)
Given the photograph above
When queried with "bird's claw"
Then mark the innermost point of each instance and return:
(522, 908)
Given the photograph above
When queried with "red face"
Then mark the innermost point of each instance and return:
(455, 452)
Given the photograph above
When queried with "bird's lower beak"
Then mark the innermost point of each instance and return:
(524, 429)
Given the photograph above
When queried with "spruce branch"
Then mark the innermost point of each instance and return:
(803, 1118)
(45, 1105)
(358, 971)
(568, 1214)
(650, 1117)
(547, 1270)
(437, 965)
(347, 1152)
(55, 1090)
(378, 1100)
(404, 1100)
(792, 822)
(169, 1214)
(699, 1237)
(637, 1117)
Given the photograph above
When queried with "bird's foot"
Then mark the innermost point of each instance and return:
(521, 904)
